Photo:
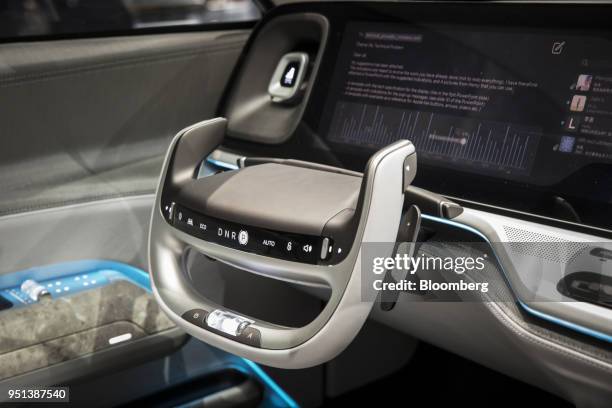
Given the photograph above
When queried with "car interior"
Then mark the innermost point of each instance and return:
(207, 203)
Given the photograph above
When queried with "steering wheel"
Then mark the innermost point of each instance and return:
(218, 200)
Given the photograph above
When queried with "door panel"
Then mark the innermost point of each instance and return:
(84, 126)
(89, 119)
(113, 229)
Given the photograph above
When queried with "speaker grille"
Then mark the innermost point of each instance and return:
(549, 247)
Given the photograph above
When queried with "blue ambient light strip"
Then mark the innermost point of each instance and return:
(69, 278)
(572, 326)
(222, 164)
(269, 382)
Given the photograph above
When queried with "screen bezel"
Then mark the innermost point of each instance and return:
(548, 201)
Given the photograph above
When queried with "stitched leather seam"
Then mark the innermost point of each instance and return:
(526, 333)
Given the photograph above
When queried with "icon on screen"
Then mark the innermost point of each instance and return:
(578, 103)
(566, 144)
(584, 82)
(572, 123)
(557, 47)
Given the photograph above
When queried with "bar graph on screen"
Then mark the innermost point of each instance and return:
(462, 140)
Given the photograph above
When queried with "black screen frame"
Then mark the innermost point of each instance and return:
(518, 199)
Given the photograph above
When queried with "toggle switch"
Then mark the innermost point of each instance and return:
(227, 322)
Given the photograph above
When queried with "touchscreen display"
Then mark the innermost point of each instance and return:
(519, 105)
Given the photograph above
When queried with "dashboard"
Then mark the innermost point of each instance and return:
(506, 109)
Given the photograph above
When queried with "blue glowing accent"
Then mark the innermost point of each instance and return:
(456, 224)
(273, 386)
(68, 278)
(222, 164)
(572, 326)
